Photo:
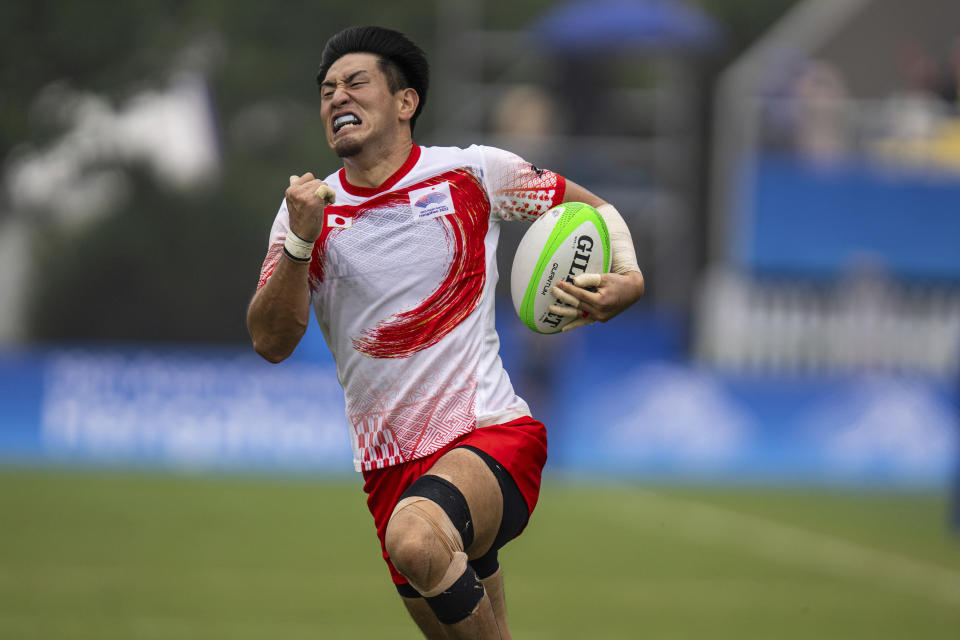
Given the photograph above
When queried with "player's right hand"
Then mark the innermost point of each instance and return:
(307, 197)
(595, 296)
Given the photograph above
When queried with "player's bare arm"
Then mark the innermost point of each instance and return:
(594, 296)
(279, 312)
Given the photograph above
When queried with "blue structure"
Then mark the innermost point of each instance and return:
(634, 25)
(619, 400)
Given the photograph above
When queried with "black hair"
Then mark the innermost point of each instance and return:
(402, 61)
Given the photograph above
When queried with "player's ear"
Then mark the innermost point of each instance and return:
(409, 100)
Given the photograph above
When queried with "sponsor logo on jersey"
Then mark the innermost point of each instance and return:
(339, 222)
(431, 202)
(434, 197)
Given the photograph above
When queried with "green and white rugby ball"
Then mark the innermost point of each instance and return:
(564, 242)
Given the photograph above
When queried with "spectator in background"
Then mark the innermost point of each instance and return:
(526, 116)
(950, 86)
(914, 113)
(822, 112)
(523, 119)
(918, 128)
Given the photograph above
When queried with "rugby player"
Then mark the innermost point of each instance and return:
(396, 254)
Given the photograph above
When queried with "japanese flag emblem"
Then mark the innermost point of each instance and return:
(337, 221)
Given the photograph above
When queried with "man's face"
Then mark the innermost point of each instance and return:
(356, 103)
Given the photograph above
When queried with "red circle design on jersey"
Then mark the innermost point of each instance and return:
(339, 221)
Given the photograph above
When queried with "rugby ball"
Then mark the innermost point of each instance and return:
(564, 242)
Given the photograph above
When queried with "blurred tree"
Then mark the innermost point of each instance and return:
(171, 264)
(180, 264)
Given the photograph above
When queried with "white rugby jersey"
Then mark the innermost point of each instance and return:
(402, 281)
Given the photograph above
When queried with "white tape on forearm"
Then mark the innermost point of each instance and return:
(623, 258)
(297, 247)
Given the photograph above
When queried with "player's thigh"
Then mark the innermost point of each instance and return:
(471, 475)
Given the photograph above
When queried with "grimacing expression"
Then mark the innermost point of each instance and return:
(356, 103)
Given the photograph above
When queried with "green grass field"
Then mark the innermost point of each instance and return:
(130, 555)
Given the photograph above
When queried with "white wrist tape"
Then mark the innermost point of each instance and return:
(623, 258)
(297, 248)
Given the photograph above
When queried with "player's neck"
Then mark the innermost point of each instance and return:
(371, 167)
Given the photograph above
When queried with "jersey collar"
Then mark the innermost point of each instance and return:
(388, 183)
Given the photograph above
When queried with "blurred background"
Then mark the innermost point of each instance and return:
(766, 445)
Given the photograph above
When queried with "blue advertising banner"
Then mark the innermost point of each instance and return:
(666, 420)
(612, 407)
(172, 407)
(802, 218)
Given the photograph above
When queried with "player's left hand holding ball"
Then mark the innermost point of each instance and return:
(596, 296)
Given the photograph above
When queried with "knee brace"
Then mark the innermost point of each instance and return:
(484, 566)
(454, 532)
(515, 511)
(459, 589)
(446, 495)
(458, 593)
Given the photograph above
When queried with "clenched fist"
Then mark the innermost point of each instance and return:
(307, 197)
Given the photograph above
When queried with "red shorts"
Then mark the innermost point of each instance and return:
(519, 445)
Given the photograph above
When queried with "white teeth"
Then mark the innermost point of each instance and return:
(345, 120)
